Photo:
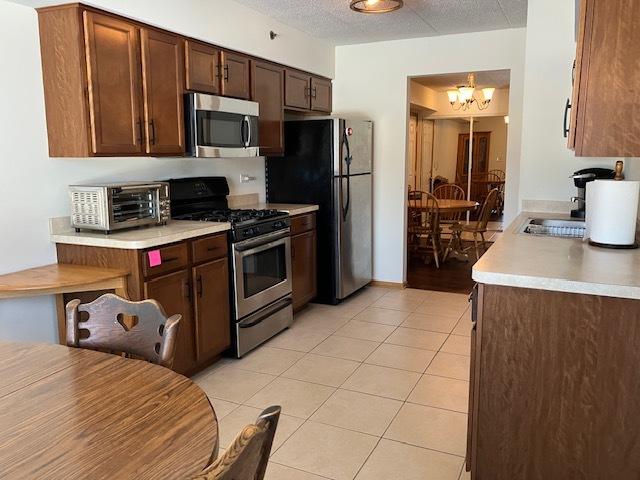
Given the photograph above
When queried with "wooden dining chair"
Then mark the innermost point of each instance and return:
(449, 191)
(111, 323)
(423, 226)
(248, 455)
(478, 228)
(498, 173)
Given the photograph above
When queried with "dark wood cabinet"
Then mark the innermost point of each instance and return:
(173, 291)
(321, 94)
(306, 92)
(234, 73)
(604, 120)
(202, 67)
(303, 259)
(163, 89)
(267, 88)
(554, 386)
(192, 279)
(211, 309)
(113, 71)
(297, 88)
(114, 86)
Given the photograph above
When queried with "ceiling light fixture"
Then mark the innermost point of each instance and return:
(376, 6)
(465, 95)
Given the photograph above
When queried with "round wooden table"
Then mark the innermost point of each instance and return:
(68, 413)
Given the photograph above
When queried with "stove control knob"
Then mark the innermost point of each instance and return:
(249, 231)
(278, 224)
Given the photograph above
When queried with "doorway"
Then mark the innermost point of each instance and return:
(466, 158)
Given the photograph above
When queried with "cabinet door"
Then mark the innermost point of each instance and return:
(173, 292)
(474, 378)
(320, 94)
(203, 67)
(303, 266)
(267, 88)
(297, 88)
(213, 320)
(163, 89)
(115, 96)
(235, 75)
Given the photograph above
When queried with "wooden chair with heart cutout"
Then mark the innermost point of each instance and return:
(137, 329)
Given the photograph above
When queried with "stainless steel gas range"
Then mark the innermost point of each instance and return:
(260, 258)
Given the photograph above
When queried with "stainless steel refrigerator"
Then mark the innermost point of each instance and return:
(328, 161)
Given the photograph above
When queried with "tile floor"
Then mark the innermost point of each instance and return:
(374, 388)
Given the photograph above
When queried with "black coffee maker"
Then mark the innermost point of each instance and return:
(580, 179)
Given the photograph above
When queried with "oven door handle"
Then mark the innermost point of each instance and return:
(247, 122)
(268, 312)
(257, 244)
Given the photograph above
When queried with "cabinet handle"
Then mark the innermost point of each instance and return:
(186, 290)
(218, 72)
(199, 285)
(170, 259)
(226, 73)
(315, 93)
(152, 124)
(307, 92)
(140, 132)
(565, 128)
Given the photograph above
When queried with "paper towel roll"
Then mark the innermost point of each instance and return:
(612, 211)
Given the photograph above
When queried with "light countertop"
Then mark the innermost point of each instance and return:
(134, 239)
(558, 264)
(291, 208)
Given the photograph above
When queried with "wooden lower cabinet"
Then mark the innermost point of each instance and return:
(211, 309)
(555, 390)
(192, 280)
(173, 291)
(303, 260)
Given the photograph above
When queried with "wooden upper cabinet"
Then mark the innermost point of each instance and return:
(267, 88)
(234, 75)
(202, 67)
(163, 88)
(604, 119)
(320, 94)
(297, 89)
(113, 71)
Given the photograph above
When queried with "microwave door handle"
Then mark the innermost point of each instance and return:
(247, 122)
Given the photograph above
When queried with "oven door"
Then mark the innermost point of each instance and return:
(262, 271)
(221, 127)
(134, 206)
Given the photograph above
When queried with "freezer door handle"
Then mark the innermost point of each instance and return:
(347, 160)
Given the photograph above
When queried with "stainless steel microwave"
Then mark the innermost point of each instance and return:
(115, 206)
(220, 127)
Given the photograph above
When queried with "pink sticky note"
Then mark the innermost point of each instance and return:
(154, 258)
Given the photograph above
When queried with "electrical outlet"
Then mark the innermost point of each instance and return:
(244, 178)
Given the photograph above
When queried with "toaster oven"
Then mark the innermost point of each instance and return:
(115, 206)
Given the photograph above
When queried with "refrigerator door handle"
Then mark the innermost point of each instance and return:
(347, 160)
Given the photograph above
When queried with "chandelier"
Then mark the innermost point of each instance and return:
(466, 95)
(375, 6)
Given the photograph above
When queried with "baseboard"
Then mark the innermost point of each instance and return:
(378, 283)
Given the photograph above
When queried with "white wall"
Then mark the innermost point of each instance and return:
(33, 186)
(445, 147)
(372, 80)
(546, 162)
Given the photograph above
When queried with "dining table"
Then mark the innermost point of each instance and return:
(70, 413)
(447, 206)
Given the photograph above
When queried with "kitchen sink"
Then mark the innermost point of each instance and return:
(554, 228)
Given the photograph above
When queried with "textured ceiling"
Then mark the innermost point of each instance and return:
(489, 78)
(334, 21)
